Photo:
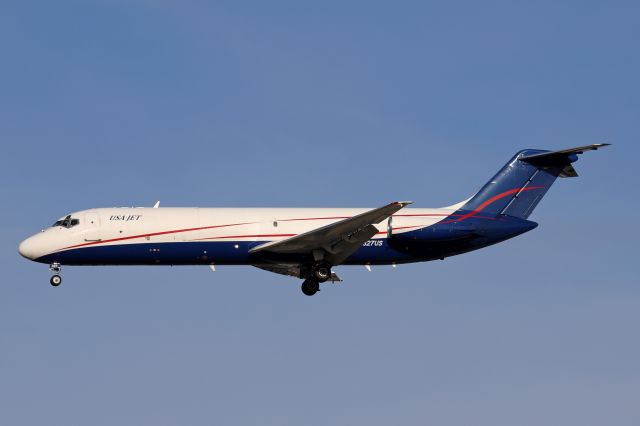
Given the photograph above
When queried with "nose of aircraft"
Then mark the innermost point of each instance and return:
(28, 248)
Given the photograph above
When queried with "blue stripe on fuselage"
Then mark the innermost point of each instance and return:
(199, 253)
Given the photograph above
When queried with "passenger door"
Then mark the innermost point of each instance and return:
(92, 224)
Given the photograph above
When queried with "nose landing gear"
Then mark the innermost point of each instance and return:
(56, 279)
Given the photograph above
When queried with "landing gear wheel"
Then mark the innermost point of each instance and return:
(322, 272)
(310, 286)
(56, 280)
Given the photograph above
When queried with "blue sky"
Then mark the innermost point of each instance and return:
(120, 103)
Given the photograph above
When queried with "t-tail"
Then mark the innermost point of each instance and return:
(520, 185)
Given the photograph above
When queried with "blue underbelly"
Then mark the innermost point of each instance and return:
(178, 253)
(202, 253)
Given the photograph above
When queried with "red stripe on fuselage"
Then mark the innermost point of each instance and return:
(401, 227)
(153, 234)
(313, 218)
(439, 215)
(176, 231)
(246, 236)
(287, 235)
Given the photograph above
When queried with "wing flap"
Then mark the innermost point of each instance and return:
(339, 251)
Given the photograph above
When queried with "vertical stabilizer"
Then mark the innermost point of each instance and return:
(520, 185)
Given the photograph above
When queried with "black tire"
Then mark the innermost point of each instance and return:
(322, 272)
(56, 280)
(310, 286)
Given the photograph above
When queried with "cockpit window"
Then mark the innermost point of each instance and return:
(67, 222)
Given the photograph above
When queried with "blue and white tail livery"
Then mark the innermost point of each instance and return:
(305, 242)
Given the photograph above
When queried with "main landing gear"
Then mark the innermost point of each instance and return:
(320, 273)
(56, 279)
(310, 286)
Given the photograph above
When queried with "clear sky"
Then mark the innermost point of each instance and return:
(355, 104)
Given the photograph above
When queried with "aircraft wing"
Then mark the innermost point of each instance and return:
(334, 242)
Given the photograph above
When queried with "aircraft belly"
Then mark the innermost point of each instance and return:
(168, 253)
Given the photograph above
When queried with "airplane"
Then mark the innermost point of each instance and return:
(306, 243)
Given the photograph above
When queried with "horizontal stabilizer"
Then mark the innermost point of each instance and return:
(561, 158)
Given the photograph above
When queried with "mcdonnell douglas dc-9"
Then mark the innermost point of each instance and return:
(305, 242)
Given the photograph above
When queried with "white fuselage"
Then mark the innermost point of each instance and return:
(124, 228)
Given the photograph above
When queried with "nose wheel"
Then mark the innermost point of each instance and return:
(56, 279)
